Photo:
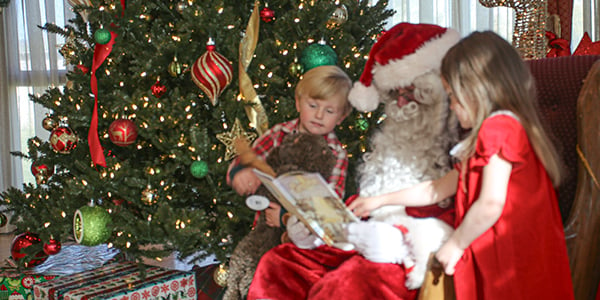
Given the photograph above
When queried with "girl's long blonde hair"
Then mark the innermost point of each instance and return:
(487, 74)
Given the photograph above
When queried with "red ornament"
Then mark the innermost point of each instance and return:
(41, 169)
(83, 68)
(158, 89)
(122, 132)
(118, 202)
(267, 14)
(63, 139)
(25, 240)
(212, 72)
(52, 247)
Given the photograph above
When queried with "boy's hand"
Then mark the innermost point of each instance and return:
(362, 206)
(245, 182)
(272, 214)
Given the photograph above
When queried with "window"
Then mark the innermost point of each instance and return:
(33, 63)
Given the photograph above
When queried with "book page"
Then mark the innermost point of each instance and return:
(309, 197)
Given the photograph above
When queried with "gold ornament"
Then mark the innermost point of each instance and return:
(175, 67)
(254, 108)
(220, 275)
(69, 50)
(296, 68)
(228, 138)
(149, 195)
(529, 36)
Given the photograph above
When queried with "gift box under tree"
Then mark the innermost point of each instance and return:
(121, 280)
(15, 284)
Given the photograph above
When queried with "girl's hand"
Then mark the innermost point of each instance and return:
(449, 255)
(362, 206)
(245, 182)
(272, 214)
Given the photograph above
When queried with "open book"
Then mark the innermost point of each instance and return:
(313, 202)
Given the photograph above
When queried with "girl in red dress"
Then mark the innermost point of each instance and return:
(509, 241)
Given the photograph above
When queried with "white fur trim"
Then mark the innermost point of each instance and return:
(401, 72)
(363, 98)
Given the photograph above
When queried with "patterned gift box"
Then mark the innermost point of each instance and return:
(17, 285)
(120, 281)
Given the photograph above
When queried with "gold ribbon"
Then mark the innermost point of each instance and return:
(587, 166)
(254, 108)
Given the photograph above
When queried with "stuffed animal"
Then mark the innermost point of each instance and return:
(412, 145)
(297, 152)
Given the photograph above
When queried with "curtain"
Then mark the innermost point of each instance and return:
(29, 63)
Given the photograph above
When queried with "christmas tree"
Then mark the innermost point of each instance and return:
(141, 132)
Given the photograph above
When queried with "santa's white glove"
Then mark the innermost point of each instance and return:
(300, 235)
(379, 242)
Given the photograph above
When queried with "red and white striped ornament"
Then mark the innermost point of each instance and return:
(212, 72)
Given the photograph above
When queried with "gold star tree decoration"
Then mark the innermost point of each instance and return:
(228, 138)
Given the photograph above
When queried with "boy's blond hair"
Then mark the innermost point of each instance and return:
(325, 82)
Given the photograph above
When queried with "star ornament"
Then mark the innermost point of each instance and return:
(228, 138)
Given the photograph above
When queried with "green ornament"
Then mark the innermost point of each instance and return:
(362, 124)
(296, 69)
(3, 220)
(318, 54)
(199, 168)
(90, 225)
(102, 36)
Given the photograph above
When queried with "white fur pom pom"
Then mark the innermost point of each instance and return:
(363, 98)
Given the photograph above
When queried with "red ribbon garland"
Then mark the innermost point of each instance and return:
(123, 5)
(101, 52)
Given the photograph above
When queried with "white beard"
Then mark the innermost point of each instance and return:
(412, 146)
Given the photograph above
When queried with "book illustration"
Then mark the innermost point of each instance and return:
(312, 200)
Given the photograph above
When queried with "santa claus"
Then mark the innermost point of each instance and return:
(412, 145)
(391, 249)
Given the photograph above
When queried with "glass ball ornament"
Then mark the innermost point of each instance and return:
(362, 124)
(49, 123)
(122, 132)
(199, 168)
(158, 89)
(23, 241)
(90, 225)
(52, 247)
(317, 54)
(296, 69)
(63, 139)
(41, 172)
(149, 195)
(3, 220)
(267, 14)
(175, 68)
(102, 36)
(220, 275)
(339, 16)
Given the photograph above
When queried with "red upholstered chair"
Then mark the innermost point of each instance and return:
(574, 120)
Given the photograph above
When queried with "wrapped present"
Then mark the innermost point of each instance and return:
(120, 280)
(18, 284)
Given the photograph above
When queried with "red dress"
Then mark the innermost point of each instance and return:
(523, 255)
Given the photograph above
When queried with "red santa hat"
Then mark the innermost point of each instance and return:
(400, 55)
